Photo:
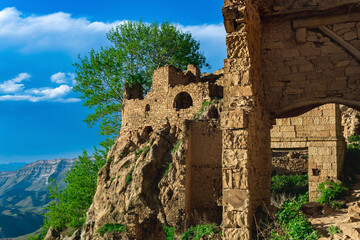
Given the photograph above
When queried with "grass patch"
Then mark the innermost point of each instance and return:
(111, 227)
(330, 192)
(127, 164)
(177, 145)
(129, 176)
(169, 232)
(332, 230)
(200, 231)
(144, 150)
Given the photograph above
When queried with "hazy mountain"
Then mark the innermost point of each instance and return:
(15, 223)
(23, 195)
(11, 166)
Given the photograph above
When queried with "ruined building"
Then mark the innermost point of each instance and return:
(198, 149)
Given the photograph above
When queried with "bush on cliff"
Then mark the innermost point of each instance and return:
(68, 207)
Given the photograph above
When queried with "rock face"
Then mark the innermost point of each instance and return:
(143, 186)
(128, 185)
(165, 168)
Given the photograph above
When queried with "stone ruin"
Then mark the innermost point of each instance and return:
(290, 63)
(283, 59)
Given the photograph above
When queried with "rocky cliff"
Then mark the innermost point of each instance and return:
(142, 185)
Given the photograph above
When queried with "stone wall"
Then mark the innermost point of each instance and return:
(284, 58)
(321, 133)
(203, 174)
(311, 67)
(174, 97)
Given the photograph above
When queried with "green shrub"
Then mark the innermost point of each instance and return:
(123, 154)
(144, 150)
(330, 192)
(294, 223)
(177, 146)
(111, 227)
(333, 230)
(289, 184)
(169, 232)
(126, 165)
(129, 176)
(199, 231)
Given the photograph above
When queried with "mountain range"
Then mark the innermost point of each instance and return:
(23, 195)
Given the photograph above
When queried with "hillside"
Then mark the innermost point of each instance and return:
(23, 195)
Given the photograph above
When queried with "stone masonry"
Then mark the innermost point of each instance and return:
(284, 58)
(320, 132)
(174, 97)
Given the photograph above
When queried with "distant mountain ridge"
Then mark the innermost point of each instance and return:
(23, 194)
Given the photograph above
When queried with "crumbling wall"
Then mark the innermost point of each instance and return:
(158, 106)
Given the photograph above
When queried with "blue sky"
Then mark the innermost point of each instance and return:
(40, 116)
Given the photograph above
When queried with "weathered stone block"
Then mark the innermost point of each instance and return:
(235, 199)
(234, 119)
(234, 158)
(235, 139)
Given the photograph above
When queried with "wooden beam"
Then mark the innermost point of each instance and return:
(314, 22)
(342, 42)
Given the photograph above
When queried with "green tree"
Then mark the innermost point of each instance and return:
(68, 206)
(136, 50)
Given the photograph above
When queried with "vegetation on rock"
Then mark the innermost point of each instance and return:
(333, 230)
(200, 231)
(110, 228)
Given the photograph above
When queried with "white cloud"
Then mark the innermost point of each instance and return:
(56, 31)
(62, 32)
(49, 93)
(57, 94)
(14, 85)
(61, 78)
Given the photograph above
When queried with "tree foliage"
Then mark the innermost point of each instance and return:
(136, 50)
(68, 207)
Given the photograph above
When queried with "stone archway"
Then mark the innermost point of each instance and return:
(280, 62)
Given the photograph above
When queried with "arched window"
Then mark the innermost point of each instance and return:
(182, 101)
